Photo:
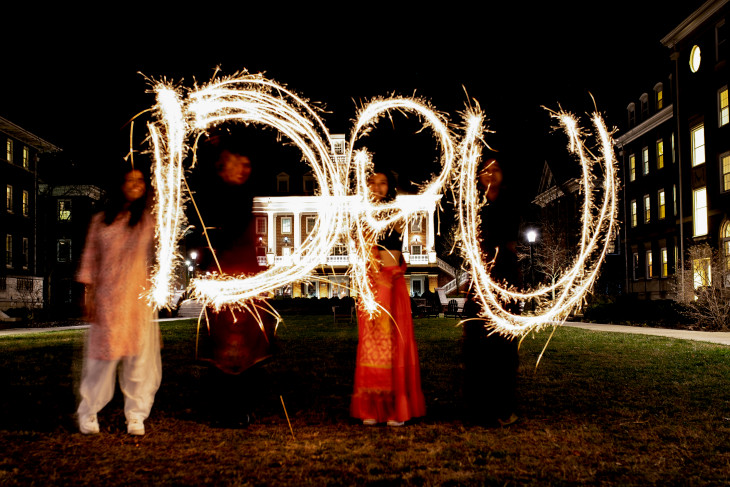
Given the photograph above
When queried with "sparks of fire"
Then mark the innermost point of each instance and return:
(346, 212)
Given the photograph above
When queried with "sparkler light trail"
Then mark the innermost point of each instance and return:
(346, 212)
(598, 223)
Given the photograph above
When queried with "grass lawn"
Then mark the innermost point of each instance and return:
(600, 409)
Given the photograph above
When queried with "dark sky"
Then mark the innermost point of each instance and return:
(76, 82)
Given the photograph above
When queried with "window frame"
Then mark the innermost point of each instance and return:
(660, 154)
(9, 198)
(661, 204)
(723, 111)
(645, 160)
(699, 213)
(698, 150)
(8, 251)
(632, 167)
(67, 257)
(649, 265)
(634, 214)
(665, 262)
(647, 208)
(287, 219)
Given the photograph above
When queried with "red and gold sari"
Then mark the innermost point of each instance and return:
(387, 372)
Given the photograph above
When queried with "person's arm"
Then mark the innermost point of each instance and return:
(88, 268)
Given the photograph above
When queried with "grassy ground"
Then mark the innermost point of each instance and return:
(601, 409)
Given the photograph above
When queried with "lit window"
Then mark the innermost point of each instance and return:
(699, 211)
(260, 225)
(26, 252)
(9, 150)
(634, 214)
(632, 167)
(725, 235)
(724, 110)
(309, 224)
(647, 208)
(416, 223)
(659, 96)
(286, 224)
(282, 182)
(26, 157)
(665, 262)
(695, 59)
(698, 145)
(26, 204)
(662, 204)
(8, 251)
(659, 154)
(673, 152)
(645, 159)
(674, 199)
(64, 210)
(9, 198)
(63, 250)
(649, 266)
(725, 168)
(701, 272)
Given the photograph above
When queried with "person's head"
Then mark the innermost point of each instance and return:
(233, 168)
(490, 177)
(128, 192)
(381, 185)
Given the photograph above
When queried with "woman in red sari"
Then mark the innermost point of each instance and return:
(387, 372)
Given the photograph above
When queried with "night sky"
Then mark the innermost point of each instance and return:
(76, 83)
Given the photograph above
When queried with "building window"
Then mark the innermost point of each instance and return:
(26, 203)
(417, 223)
(698, 145)
(282, 182)
(725, 234)
(659, 96)
(649, 266)
(674, 199)
(645, 159)
(723, 115)
(632, 167)
(695, 58)
(673, 152)
(9, 150)
(635, 265)
(309, 223)
(665, 262)
(725, 169)
(659, 154)
(286, 224)
(701, 272)
(416, 249)
(26, 157)
(9, 198)
(720, 41)
(64, 210)
(634, 214)
(662, 205)
(308, 183)
(699, 211)
(644, 99)
(339, 249)
(647, 208)
(63, 250)
(631, 110)
(26, 253)
(260, 225)
(8, 251)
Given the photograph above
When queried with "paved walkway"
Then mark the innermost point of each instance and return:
(720, 337)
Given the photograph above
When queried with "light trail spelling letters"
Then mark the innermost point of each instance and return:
(253, 99)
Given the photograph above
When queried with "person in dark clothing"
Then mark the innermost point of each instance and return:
(490, 359)
(235, 340)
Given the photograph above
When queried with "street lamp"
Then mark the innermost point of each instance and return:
(531, 238)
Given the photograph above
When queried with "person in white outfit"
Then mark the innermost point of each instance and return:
(115, 268)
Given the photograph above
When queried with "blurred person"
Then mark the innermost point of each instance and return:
(115, 267)
(387, 373)
(491, 360)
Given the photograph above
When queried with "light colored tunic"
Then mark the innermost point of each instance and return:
(115, 263)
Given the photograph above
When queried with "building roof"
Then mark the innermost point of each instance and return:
(26, 137)
(691, 23)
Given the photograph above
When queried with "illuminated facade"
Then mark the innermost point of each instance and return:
(675, 157)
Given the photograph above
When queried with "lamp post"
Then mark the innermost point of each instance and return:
(531, 238)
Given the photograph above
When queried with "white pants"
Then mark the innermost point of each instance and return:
(139, 379)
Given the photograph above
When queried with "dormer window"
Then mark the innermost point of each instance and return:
(631, 109)
(659, 96)
(282, 182)
(644, 99)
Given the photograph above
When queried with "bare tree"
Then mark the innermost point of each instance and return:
(550, 254)
(706, 297)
